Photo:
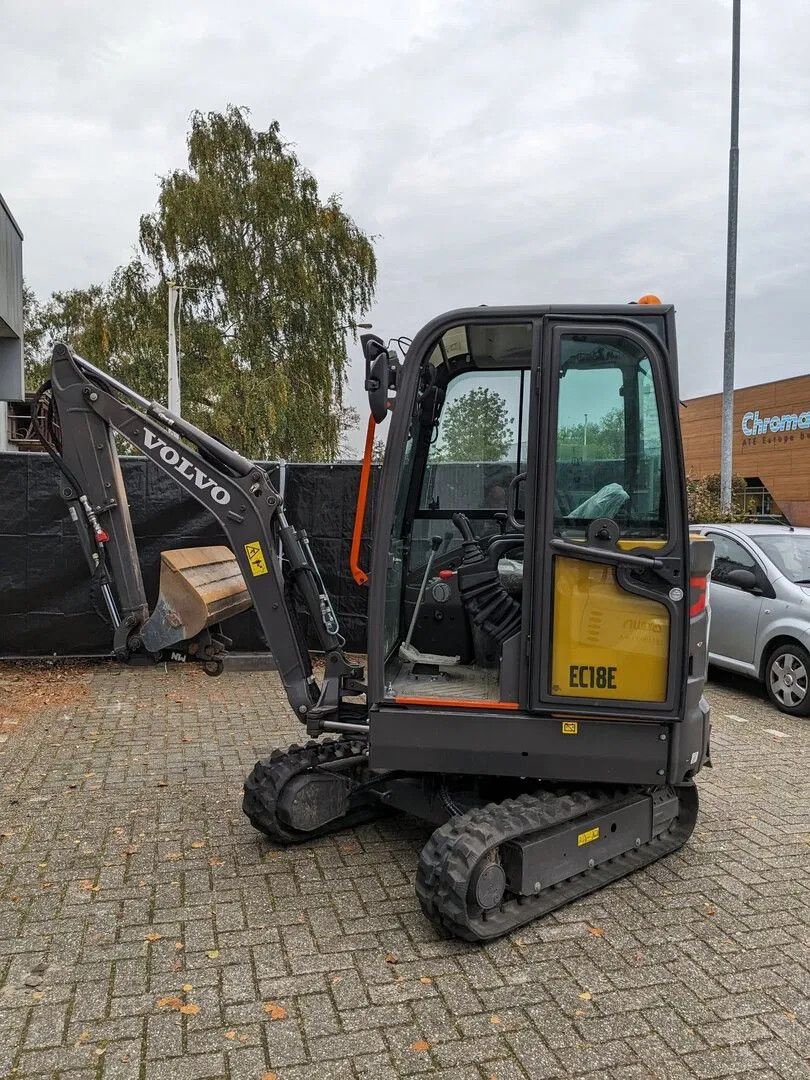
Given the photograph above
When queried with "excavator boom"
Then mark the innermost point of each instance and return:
(199, 585)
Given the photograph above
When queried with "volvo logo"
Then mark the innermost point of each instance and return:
(172, 457)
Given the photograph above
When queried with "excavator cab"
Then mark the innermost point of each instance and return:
(532, 574)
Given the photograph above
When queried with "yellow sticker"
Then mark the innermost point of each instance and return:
(570, 727)
(256, 558)
(587, 837)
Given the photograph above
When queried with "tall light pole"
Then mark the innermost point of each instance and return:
(731, 267)
(174, 369)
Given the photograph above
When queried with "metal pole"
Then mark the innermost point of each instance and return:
(731, 267)
(174, 371)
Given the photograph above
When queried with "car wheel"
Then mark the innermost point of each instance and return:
(787, 679)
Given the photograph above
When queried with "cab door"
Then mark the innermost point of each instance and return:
(608, 519)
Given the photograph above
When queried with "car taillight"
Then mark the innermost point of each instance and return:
(698, 595)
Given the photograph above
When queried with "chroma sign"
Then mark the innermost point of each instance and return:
(754, 424)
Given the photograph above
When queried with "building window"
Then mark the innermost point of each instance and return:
(758, 501)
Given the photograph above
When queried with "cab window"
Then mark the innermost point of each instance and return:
(608, 445)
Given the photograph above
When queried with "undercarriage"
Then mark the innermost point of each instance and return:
(505, 850)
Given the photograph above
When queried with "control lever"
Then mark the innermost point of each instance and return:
(407, 651)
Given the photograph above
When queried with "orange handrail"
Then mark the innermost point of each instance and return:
(360, 576)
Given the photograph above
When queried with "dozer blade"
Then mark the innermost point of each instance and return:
(198, 587)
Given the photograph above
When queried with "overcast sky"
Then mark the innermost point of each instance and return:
(519, 151)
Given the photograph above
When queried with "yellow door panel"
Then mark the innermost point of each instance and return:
(607, 642)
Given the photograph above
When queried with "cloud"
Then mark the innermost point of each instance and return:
(506, 152)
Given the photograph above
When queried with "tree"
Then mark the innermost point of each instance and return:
(605, 438)
(277, 270)
(475, 427)
(703, 496)
(273, 276)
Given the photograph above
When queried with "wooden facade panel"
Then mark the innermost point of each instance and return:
(780, 459)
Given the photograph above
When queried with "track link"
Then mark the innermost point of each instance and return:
(267, 779)
(449, 859)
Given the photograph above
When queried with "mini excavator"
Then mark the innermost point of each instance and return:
(537, 610)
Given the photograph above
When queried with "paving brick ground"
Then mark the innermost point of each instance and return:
(148, 933)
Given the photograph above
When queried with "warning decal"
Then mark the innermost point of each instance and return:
(255, 556)
(587, 837)
(570, 727)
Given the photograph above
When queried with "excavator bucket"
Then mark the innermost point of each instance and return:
(198, 586)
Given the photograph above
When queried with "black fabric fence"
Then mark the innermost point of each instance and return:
(46, 605)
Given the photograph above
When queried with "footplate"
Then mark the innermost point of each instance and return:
(565, 850)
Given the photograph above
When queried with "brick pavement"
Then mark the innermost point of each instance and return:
(148, 933)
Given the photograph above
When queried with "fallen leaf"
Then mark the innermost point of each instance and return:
(336, 979)
(216, 862)
(275, 1012)
(38, 995)
(179, 946)
(100, 1050)
(197, 843)
(586, 995)
(230, 1034)
(270, 1076)
(426, 980)
(83, 1037)
(791, 1016)
(153, 936)
(710, 909)
(580, 1012)
(520, 943)
(420, 1046)
(173, 855)
(187, 987)
(88, 886)
(169, 1003)
(495, 1020)
(391, 958)
(212, 954)
(596, 931)
(189, 1010)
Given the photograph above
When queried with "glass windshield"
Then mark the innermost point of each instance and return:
(790, 552)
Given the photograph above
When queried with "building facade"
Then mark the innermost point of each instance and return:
(771, 444)
(11, 316)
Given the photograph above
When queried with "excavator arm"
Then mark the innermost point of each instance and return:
(86, 406)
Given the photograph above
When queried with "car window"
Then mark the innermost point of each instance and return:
(790, 552)
(728, 556)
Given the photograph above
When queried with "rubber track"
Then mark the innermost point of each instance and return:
(449, 858)
(267, 780)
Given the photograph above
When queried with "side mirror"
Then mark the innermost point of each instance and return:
(380, 375)
(743, 579)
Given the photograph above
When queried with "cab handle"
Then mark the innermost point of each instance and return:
(511, 502)
(605, 555)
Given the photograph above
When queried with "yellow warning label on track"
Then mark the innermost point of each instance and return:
(586, 837)
(255, 555)
(570, 727)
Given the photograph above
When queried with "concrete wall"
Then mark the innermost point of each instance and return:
(11, 310)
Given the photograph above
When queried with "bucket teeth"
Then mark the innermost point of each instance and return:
(198, 587)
